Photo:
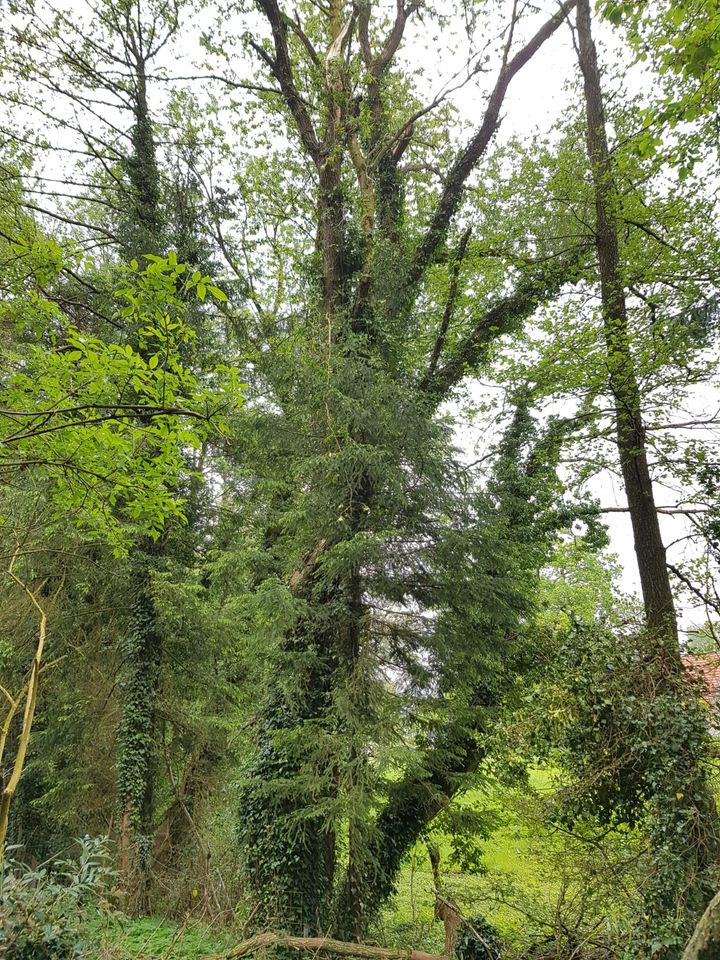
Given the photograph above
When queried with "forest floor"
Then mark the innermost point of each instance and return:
(510, 884)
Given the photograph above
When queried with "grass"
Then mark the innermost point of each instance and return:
(509, 863)
(157, 939)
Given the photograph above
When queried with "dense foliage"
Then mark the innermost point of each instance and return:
(315, 387)
(42, 910)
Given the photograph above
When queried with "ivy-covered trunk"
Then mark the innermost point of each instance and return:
(141, 647)
(141, 652)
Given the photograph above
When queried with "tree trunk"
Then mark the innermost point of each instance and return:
(705, 941)
(316, 945)
(629, 427)
(412, 805)
(142, 646)
(682, 834)
(142, 655)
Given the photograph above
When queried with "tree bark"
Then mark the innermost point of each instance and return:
(705, 941)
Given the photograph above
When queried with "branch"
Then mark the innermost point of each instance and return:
(378, 66)
(296, 27)
(282, 70)
(692, 588)
(264, 941)
(670, 511)
(228, 81)
(449, 306)
(303, 574)
(9, 716)
(29, 712)
(468, 158)
(120, 411)
(532, 291)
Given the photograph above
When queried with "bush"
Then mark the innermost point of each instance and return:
(477, 940)
(43, 910)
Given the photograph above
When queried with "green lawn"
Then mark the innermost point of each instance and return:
(509, 862)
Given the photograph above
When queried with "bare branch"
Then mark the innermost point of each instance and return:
(378, 66)
(315, 945)
(468, 158)
(282, 70)
(30, 692)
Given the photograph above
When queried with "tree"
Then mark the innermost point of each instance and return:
(631, 437)
(66, 420)
(362, 518)
(649, 548)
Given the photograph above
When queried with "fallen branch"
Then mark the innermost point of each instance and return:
(341, 948)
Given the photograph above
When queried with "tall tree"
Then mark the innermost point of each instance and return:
(629, 426)
(698, 844)
(371, 458)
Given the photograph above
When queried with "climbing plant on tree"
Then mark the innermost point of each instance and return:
(128, 202)
(367, 537)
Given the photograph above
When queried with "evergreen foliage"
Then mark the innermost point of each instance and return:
(272, 619)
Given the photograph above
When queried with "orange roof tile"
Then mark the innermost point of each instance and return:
(705, 667)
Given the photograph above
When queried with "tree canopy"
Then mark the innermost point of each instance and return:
(320, 397)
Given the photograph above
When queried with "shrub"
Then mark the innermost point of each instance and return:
(477, 940)
(43, 910)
